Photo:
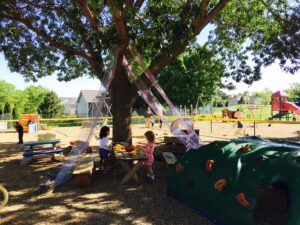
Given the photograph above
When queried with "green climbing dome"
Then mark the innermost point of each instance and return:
(222, 180)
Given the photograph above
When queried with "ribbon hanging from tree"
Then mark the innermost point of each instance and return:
(85, 134)
(186, 133)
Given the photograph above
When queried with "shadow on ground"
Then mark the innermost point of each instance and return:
(105, 202)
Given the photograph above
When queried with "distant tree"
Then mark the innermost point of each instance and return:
(195, 73)
(294, 92)
(221, 99)
(6, 91)
(264, 95)
(7, 108)
(140, 103)
(51, 105)
(32, 97)
(14, 112)
(1, 111)
(241, 101)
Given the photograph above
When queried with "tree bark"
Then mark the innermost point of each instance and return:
(123, 96)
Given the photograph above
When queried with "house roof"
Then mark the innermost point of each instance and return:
(89, 95)
(278, 94)
(235, 98)
(68, 100)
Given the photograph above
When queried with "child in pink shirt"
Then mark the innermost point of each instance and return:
(148, 151)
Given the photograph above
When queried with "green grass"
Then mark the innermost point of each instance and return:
(261, 111)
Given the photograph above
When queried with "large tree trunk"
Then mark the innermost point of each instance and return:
(123, 95)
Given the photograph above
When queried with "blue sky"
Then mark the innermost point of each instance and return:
(272, 78)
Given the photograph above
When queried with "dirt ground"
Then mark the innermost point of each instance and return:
(106, 201)
(208, 132)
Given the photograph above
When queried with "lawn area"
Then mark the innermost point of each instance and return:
(250, 111)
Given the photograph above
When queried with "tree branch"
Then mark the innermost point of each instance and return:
(213, 13)
(276, 16)
(200, 21)
(179, 45)
(186, 10)
(129, 3)
(138, 4)
(90, 16)
(121, 28)
(204, 4)
(41, 33)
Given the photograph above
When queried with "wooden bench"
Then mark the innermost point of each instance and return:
(169, 157)
(83, 171)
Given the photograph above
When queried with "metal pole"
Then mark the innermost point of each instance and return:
(211, 128)
(254, 129)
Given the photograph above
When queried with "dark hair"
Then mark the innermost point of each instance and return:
(150, 136)
(103, 132)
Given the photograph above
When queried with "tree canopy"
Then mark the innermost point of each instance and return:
(252, 34)
(264, 95)
(77, 38)
(6, 93)
(194, 74)
(294, 92)
(20, 101)
(74, 37)
(51, 105)
(32, 97)
(7, 108)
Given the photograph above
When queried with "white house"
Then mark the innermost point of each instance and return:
(246, 99)
(255, 100)
(234, 101)
(69, 104)
(88, 104)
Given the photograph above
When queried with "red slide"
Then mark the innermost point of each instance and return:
(291, 107)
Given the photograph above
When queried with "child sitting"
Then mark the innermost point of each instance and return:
(103, 148)
(148, 151)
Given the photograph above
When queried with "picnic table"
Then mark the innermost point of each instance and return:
(30, 151)
(130, 163)
(32, 144)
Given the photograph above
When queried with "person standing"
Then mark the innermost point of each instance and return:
(148, 117)
(148, 151)
(104, 146)
(240, 126)
(20, 131)
(294, 116)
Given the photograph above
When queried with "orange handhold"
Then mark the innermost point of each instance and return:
(209, 165)
(220, 184)
(179, 168)
(246, 148)
(242, 199)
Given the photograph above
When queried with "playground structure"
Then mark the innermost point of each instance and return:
(224, 179)
(281, 105)
(29, 122)
(4, 200)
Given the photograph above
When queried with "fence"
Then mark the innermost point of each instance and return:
(74, 121)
